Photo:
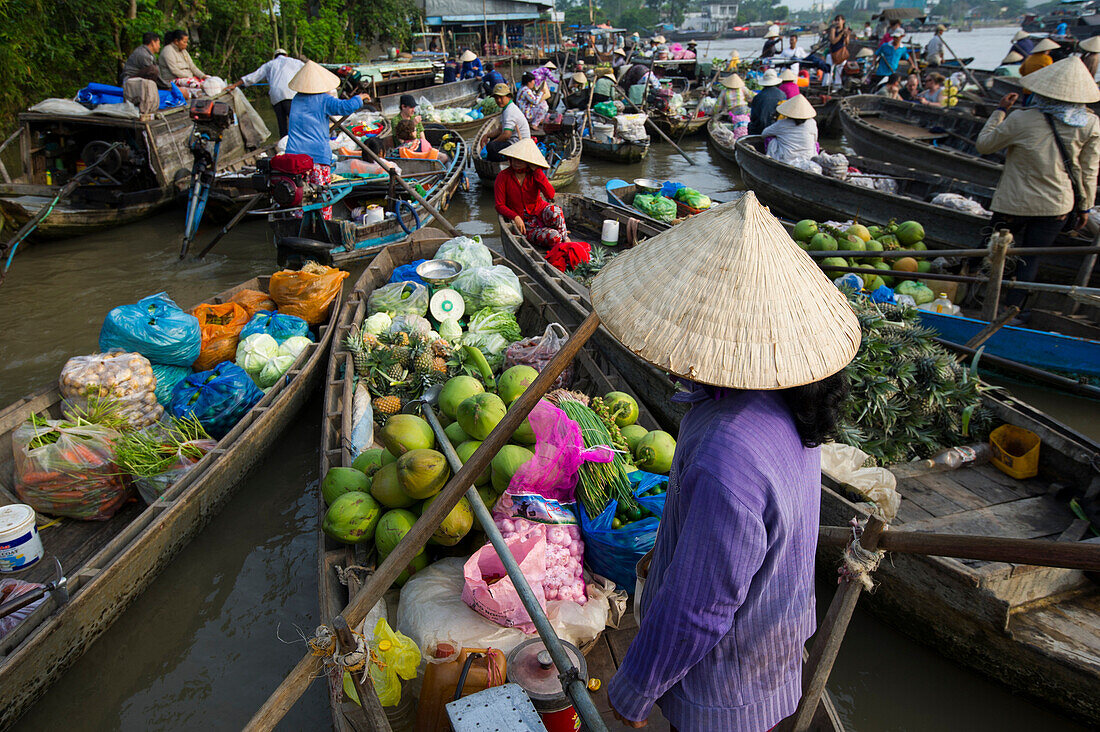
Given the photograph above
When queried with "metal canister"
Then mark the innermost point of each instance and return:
(530, 666)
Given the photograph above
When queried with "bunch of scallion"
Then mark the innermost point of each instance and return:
(158, 449)
(599, 482)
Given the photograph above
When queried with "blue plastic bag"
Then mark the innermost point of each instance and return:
(407, 273)
(883, 294)
(156, 328)
(668, 190)
(614, 553)
(217, 398)
(167, 377)
(277, 325)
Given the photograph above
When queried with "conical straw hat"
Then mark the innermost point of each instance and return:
(1045, 45)
(773, 32)
(788, 75)
(1090, 45)
(797, 107)
(550, 65)
(579, 78)
(1020, 35)
(727, 298)
(1012, 58)
(732, 81)
(527, 151)
(313, 78)
(1067, 80)
(467, 55)
(864, 53)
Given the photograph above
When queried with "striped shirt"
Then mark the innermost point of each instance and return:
(729, 602)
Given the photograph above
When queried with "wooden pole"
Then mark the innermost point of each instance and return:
(998, 245)
(1084, 273)
(966, 70)
(654, 127)
(368, 697)
(248, 206)
(295, 684)
(830, 634)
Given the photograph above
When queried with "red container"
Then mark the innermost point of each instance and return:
(530, 666)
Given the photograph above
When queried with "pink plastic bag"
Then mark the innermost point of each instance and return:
(520, 514)
(537, 352)
(489, 590)
(559, 454)
(9, 590)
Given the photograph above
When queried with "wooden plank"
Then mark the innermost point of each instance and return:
(601, 665)
(981, 485)
(955, 492)
(1027, 518)
(927, 498)
(909, 512)
(903, 129)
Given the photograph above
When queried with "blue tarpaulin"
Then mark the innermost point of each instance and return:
(96, 94)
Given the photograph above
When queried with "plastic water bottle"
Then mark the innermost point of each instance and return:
(943, 304)
(951, 459)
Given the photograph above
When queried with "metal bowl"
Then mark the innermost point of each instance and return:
(647, 185)
(438, 272)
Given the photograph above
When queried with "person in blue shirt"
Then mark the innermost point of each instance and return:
(450, 70)
(491, 79)
(471, 65)
(310, 110)
(889, 55)
(1062, 29)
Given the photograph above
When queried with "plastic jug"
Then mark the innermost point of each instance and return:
(943, 304)
(484, 667)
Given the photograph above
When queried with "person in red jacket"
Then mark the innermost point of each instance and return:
(525, 197)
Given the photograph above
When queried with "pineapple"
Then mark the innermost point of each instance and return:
(402, 354)
(439, 365)
(422, 362)
(401, 338)
(387, 405)
(396, 372)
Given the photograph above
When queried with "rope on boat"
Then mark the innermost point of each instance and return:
(323, 644)
(345, 574)
(859, 563)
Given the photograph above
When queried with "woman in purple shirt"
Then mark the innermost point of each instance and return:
(729, 601)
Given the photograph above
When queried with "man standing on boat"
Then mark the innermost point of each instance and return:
(277, 73)
(889, 57)
(513, 124)
(772, 42)
(728, 603)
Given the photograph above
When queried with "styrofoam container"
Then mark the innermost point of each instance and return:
(20, 544)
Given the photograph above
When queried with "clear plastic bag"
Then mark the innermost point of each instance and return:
(126, 379)
(217, 398)
(657, 207)
(308, 293)
(156, 328)
(152, 487)
(220, 325)
(66, 470)
(614, 553)
(537, 352)
(279, 326)
(497, 288)
(469, 252)
(399, 298)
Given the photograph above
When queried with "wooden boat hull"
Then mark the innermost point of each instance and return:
(724, 151)
(871, 126)
(679, 128)
(616, 152)
(68, 220)
(565, 172)
(455, 94)
(143, 543)
(467, 129)
(562, 174)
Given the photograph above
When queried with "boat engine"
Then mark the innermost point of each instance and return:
(211, 120)
(286, 179)
(120, 164)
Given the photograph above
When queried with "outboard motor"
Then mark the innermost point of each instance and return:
(285, 178)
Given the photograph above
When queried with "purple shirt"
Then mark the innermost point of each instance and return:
(729, 602)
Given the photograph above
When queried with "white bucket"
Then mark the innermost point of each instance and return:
(374, 214)
(20, 544)
(609, 237)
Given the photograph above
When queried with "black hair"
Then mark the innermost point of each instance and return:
(148, 37)
(375, 147)
(527, 77)
(816, 407)
(175, 35)
(893, 79)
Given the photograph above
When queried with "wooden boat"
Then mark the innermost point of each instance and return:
(593, 373)
(150, 172)
(455, 94)
(621, 193)
(342, 241)
(617, 149)
(109, 563)
(564, 148)
(469, 129)
(385, 79)
(1032, 628)
(800, 194)
(927, 138)
(724, 150)
(677, 127)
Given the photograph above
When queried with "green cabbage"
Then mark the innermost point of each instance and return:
(377, 324)
(274, 369)
(450, 330)
(491, 332)
(254, 352)
(294, 346)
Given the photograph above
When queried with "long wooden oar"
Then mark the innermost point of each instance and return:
(300, 677)
(248, 206)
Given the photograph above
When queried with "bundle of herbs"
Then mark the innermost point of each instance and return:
(160, 455)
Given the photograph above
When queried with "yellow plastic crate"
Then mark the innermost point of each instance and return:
(1015, 451)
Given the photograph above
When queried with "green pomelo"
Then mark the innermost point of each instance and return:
(822, 242)
(387, 488)
(339, 481)
(858, 230)
(632, 434)
(391, 529)
(422, 473)
(909, 233)
(654, 453)
(924, 266)
(456, 434)
(404, 432)
(480, 413)
(369, 461)
(465, 450)
(457, 524)
(456, 391)
(805, 229)
(622, 407)
(506, 463)
(352, 518)
(834, 262)
(514, 382)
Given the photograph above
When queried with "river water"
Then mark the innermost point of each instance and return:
(219, 628)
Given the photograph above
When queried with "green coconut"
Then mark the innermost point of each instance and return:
(352, 518)
(456, 434)
(456, 525)
(338, 481)
(514, 382)
(386, 488)
(404, 432)
(480, 413)
(465, 450)
(422, 473)
(632, 434)
(804, 230)
(369, 461)
(622, 407)
(506, 463)
(391, 529)
(654, 452)
(456, 391)
(909, 233)
(822, 242)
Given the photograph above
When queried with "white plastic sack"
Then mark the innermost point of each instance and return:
(212, 86)
(362, 420)
(960, 203)
(125, 110)
(55, 105)
(844, 464)
(431, 611)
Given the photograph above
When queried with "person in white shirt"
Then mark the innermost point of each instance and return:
(795, 136)
(277, 73)
(793, 51)
(933, 50)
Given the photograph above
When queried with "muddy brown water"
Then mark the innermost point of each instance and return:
(216, 632)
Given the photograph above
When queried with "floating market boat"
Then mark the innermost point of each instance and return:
(934, 139)
(592, 374)
(391, 78)
(148, 172)
(1033, 628)
(563, 152)
(469, 129)
(678, 126)
(719, 142)
(621, 193)
(109, 563)
(353, 237)
(613, 147)
(454, 94)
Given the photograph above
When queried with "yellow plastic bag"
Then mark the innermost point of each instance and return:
(308, 292)
(392, 657)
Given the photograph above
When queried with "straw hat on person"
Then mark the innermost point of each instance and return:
(608, 73)
(1020, 35)
(773, 32)
(619, 52)
(527, 151)
(1090, 45)
(550, 65)
(1012, 58)
(579, 78)
(502, 90)
(467, 55)
(797, 107)
(280, 52)
(659, 39)
(1067, 80)
(864, 53)
(727, 315)
(1045, 45)
(788, 75)
(313, 78)
(770, 78)
(732, 81)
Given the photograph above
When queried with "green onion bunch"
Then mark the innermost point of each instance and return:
(599, 482)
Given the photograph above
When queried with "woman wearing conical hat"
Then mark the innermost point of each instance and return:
(471, 65)
(793, 136)
(308, 122)
(1039, 57)
(1037, 195)
(524, 196)
(728, 602)
(733, 105)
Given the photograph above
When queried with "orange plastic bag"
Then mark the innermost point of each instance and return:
(308, 292)
(253, 301)
(220, 325)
